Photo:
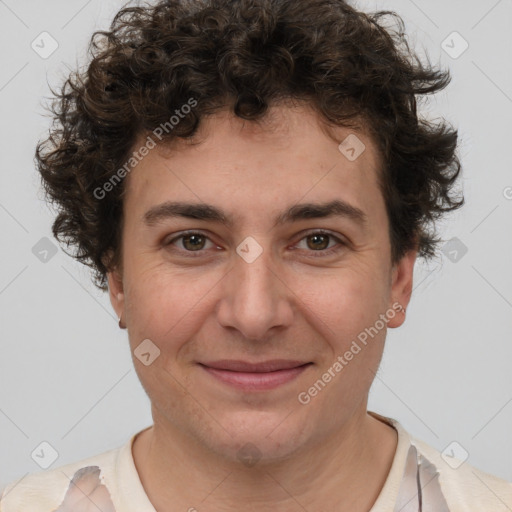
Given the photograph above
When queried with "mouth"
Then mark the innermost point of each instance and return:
(255, 376)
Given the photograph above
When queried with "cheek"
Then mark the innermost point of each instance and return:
(163, 308)
(343, 302)
(346, 311)
(166, 306)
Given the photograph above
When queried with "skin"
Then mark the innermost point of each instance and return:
(329, 454)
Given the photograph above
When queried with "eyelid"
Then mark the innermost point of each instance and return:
(342, 243)
(177, 236)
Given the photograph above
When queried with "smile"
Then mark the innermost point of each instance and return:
(255, 376)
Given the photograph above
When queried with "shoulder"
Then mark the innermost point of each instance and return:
(45, 491)
(447, 483)
(464, 486)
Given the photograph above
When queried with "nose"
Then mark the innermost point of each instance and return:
(255, 298)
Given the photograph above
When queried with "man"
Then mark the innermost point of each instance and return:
(251, 180)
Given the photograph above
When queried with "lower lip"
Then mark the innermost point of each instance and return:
(252, 381)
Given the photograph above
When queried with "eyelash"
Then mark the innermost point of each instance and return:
(323, 253)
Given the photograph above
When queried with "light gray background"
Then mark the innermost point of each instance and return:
(65, 367)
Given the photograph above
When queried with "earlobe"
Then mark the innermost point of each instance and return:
(401, 287)
(116, 294)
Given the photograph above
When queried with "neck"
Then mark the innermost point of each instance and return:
(343, 472)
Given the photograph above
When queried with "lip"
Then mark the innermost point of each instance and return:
(236, 365)
(255, 376)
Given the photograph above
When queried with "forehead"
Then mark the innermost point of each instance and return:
(284, 158)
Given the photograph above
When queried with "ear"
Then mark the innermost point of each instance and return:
(401, 287)
(116, 291)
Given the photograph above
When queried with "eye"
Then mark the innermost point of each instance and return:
(316, 242)
(319, 241)
(190, 241)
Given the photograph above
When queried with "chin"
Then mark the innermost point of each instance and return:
(259, 437)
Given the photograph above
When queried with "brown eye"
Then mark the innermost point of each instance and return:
(318, 241)
(193, 242)
(318, 244)
(188, 243)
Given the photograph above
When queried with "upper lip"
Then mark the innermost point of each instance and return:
(244, 366)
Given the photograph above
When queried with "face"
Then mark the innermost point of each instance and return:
(258, 278)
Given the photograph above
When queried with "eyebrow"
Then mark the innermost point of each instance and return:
(201, 211)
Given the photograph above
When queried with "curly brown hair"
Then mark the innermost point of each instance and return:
(244, 55)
